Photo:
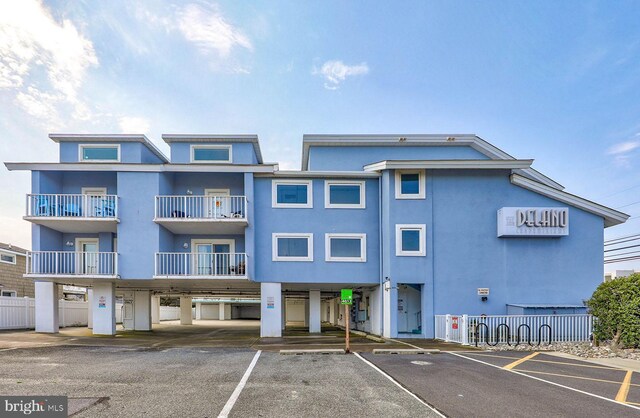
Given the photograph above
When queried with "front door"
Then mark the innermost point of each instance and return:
(216, 203)
(93, 203)
(87, 256)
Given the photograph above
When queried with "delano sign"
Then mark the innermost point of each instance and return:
(533, 222)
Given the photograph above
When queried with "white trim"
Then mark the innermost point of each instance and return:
(79, 264)
(449, 164)
(269, 168)
(193, 147)
(274, 194)
(91, 191)
(423, 240)
(230, 242)
(363, 247)
(89, 240)
(15, 294)
(421, 184)
(322, 174)
(15, 257)
(611, 217)
(81, 147)
(274, 246)
(327, 194)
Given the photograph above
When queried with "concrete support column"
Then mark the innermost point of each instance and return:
(306, 312)
(198, 310)
(332, 311)
(47, 307)
(142, 310)
(375, 310)
(89, 308)
(389, 310)
(222, 311)
(270, 310)
(185, 310)
(104, 308)
(155, 309)
(284, 312)
(314, 311)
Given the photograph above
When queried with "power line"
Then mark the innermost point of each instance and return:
(630, 204)
(622, 248)
(618, 192)
(636, 252)
(617, 260)
(621, 241)
(623, 237)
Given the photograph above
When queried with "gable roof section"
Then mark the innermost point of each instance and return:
(424, 140)
(105, 138)
(208, 138)
(12, 249)
(611, 216)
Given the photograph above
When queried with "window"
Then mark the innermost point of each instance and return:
(411, 240)
(210, 153)
(410, 184)
(9, 293)
(346, 247)
(99, 153)
(292, 247)
(7, 258)
(344, 194)
(292, 194)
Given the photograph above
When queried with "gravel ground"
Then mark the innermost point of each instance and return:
(585, 350)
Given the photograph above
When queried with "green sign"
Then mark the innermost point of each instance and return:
(346, 296)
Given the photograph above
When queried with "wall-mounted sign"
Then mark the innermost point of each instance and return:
(483, 291)
(533, 222)
(102, 302)
(346, 296)
(271, 302)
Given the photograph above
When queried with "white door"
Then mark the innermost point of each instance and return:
(216, 203)
(127, 310)
(93, 202)
(87, 259)
(403, 312)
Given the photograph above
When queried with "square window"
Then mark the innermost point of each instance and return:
(344, 194)
(292, 247)
(345, 247)
(292, 194)
(411, 240)
(211, 153)
(99, 153)
(410, 184)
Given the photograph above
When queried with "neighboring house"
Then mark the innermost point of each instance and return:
(416, 225)
(12, 269)
(617, 273)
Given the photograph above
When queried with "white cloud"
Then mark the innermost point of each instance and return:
(134, 125)
(335, 72)
(43, 62)
(623, 147)
(204, 26)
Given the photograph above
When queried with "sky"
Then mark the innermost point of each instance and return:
(558, 82)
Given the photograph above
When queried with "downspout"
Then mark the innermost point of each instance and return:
(380, 237)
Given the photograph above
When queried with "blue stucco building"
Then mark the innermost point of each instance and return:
(417, 225)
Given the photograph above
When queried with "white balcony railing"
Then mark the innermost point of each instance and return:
(70, 263)
(201, 264)
(201, 207)
(72, 206)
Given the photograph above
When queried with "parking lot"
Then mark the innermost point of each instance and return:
(206, 370)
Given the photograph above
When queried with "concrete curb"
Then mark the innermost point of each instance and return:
(313, 351)
(407, 351)
(374, 338)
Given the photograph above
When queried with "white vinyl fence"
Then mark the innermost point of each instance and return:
(511, 329)
(169, 313)
(19, 313)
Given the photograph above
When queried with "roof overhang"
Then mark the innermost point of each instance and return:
(149, 168)
(421, 140)
(449, 164)
(208, 138)
(106, 138)
(611, 217)
(321, 174)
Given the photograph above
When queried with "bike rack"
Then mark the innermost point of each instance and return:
(498, 333)
(486, 333)
(540, 333)
(528, 334)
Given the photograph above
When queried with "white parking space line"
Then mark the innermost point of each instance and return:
(395, 382)
(543, 380)
(236, 393)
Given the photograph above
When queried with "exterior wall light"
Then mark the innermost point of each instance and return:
(185, 245)
(69, 244)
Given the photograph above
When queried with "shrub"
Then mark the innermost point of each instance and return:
(616, 307)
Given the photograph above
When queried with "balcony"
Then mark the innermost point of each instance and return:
(202, 214)
(88, 265)
(200, 266)
(79, 213)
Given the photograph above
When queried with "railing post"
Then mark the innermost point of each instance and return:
(447, 332)
(26, 312)
(464, 329)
